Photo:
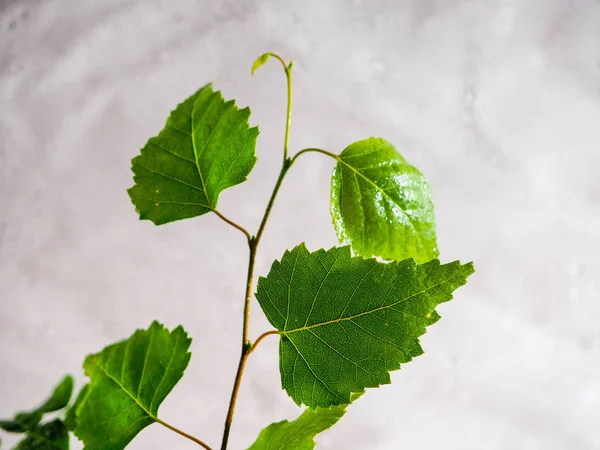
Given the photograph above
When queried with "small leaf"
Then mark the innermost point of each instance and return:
(205, 147)
(21, 422)
(128, 382)
(261, 60)
(25, 421)
(60, 396)
(49, 436)
(345, 322)
(71, 416)
(298, 434)
(382, 205)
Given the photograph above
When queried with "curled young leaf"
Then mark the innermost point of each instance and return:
(345, 322)
(205, 147)
(261, 60)
(128, 382)
(382, 205)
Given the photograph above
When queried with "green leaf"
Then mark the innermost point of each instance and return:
(345, 322)
(25, 421)
(261, 60)
(50, 436)
(205, 147)
(60, 396)
(71, 416)
(21, 422)
(298, 434)
(381, 205)
(128, 382)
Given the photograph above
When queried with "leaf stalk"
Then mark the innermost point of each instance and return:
(183, 433)
(233, 224)
(261, 337)
(315, 150)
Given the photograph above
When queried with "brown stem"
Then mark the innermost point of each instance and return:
(314, 150)
(253, 245)
(260, 338)
(182, 433)
(245, 345)
(233, 224)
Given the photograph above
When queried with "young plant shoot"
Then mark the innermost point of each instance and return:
(345, 317)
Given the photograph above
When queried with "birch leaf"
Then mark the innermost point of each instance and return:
(345, 322)
(382, 205)
(205, 147)
(128, 382)
(299, 434)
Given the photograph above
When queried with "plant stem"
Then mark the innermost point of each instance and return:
(182, 433)
(314, 150)
(288, 74)
(284, 169)
(233, 224)
(245, 347)
(261, 337)
(253, 246)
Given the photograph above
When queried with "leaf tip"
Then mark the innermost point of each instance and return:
(470, 267)
(155, 324)
(260, 61)
(68, 379)
(301, 247)
(432, 317)
(466, 269)
(180, 331)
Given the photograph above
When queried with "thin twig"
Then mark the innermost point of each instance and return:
(233, 224)
(183, 433)
(288, 74)
(314, 150)
(261, 337)
(253, 245)
(245, 346)
(285, 167)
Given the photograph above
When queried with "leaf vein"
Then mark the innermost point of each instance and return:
(170, 177)
(287, 332)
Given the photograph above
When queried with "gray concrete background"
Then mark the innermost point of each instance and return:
(498, 102)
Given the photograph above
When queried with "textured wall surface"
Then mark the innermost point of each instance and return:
(498, 103)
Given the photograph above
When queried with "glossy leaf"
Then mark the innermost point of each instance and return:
(382, 205)
(50, 436)
(345, 322)
(128, 382)
(25, 421)
(205, 147)
(298, 434)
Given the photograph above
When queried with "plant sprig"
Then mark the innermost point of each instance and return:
(346, 317)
